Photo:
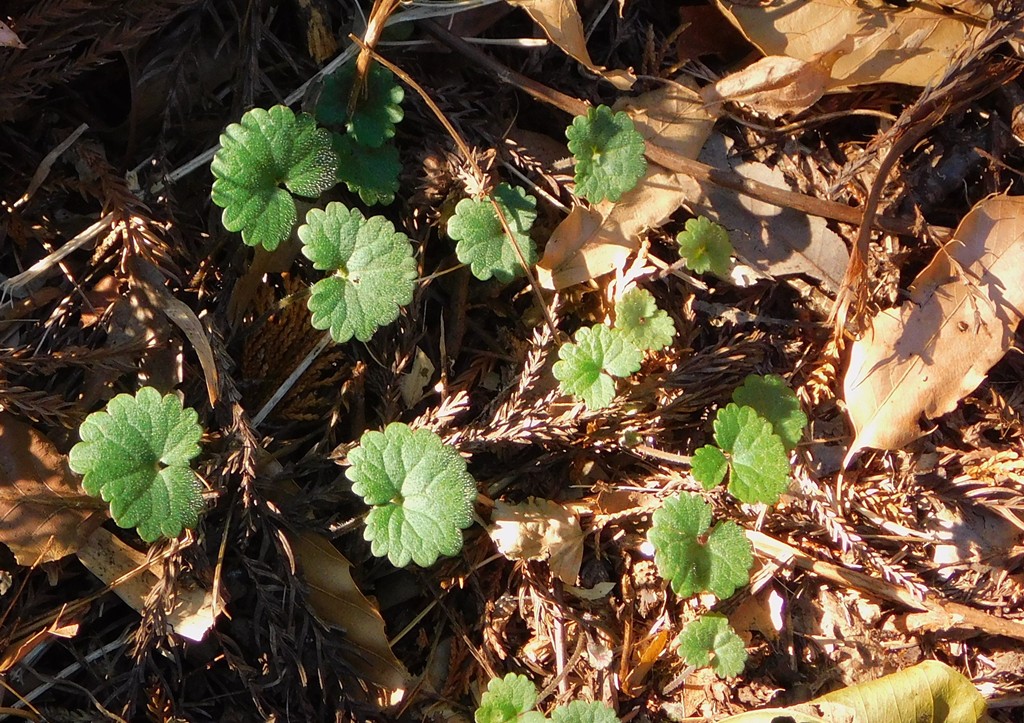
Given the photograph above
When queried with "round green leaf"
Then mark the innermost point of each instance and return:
(259, 154)
(509, 700)
(482, 242)
(419, 490)
(704, 246)
(137, 456)
(585, 368)
(758, 464)
(370, 172)
(710, 640)
(374, 271)
(709, 466)
(609, 154)
(377, 110)
(693, 560)
(580, 711)
(640, 320)
(772, 398)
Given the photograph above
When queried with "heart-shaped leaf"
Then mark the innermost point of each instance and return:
(482, 242)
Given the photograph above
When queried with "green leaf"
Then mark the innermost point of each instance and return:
(137, 455)
(640, 320)
(609, 154)
(704, 246)
(509, 700)
(580, 711)
(586, 367)
(770, 397)
(694, 560)
(710, 640)
(376, 112)
(259, 154)
(419, 490)
(370, 172)
(374, 271)
(709, 466)
(758, 464)
(482, 242)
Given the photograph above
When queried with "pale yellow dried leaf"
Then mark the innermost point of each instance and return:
(561, 23)
(774, 85)
(539, 530)
(912, 45)
(923, 357)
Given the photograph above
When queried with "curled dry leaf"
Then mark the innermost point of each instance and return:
(923, 357)
(8, 38)
(540, 530)
(44, 512)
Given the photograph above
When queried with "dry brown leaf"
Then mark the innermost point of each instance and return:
(561, 22)
(911, 45)
(128, 571)
(44, 512)
(8, 38)
(539, 530)
(923, 357)
(774, 241)
(774, 85)
(591, 242)
(338, 602)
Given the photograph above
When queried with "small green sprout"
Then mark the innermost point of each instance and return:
(370, 172)
(482, 242)
(137, 455)
(375, 114)
(640, 320)
(693, 556)
(586, 367)
(511, 699)
(710, 640)
(704, 246)
(609, 154)
(259, 154)
(374, 272)
(580, 711)
(770, 397)
(419, 492)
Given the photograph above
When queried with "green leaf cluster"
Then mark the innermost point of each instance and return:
(373, 271)
(419, 492)
(704, 246)
(137, 455)
(264, 151)
(753, 435)
(710, 640)
(364, 138)
(586, 367)
(481, 239)
(609, 154)
(512, 699)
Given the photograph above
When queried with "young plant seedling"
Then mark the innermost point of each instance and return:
(370, 172)
(771, 397)
(137, 455)
(259, 154)
(693, 556)
(374, 272)
(580, 711)
(642, 323)
(376, 113)
(512, 699)
(419, 491)
(704, 246)
(482, 242)
(585, 368)
(609, 154)
(710, 640)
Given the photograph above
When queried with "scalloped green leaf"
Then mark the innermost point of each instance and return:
(771, 397)
(694, 559)
(137, 455)
(580, 711)
(482, 242)
(609, 154)
(709, 466)
(377, 111)
(419, 491)
(704, 246)
(758, 464)
(370, 172)
(710, 640)
(265, 150)
(509, 700)
(374, 272)
(586, 366)
(640, 320)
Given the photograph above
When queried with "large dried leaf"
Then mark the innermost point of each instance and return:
(561, 22)
(911, 45)
(44, 512)
(539, 530)
(774, 85)
(338, 602)
(774, 241)
(592, 242)
(923, 357)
